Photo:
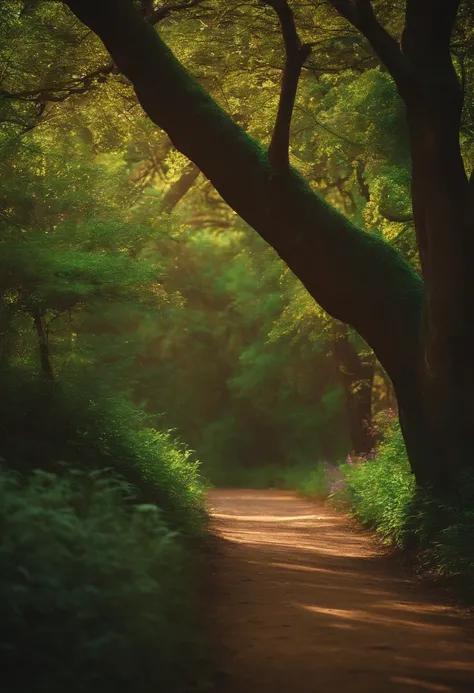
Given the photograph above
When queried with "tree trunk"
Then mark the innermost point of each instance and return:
(437, 412)
(357, 376)
(180, 187)
(43, 345)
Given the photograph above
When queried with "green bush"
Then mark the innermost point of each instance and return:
(444, 529)
(381, 489)
(307, 479)
(453, 553)
(382, 494)
(43, 424)
(95, 591)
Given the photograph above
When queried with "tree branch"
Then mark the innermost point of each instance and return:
(396, 217)
(62, 92)
(163, 12)
(296, 54)
(81, 85)
(179, 188)
(361, 15)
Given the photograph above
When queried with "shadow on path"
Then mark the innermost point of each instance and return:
(302, 604)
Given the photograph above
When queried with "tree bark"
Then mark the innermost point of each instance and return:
(441, 200)
(43, 345)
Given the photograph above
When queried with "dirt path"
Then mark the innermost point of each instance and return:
(303, 604)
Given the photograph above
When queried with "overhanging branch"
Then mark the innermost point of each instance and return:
(295, 56)
(55, 93)
(361, 15)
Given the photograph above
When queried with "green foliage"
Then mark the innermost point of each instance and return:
(441, 525)
(381, 489)
(305, 479)
(309, 480)
(99, 518)
(237, 394)
(43, 424)
(382, 494)
(95, 593)
(452, 554)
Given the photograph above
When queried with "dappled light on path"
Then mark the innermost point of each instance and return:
(304, 603)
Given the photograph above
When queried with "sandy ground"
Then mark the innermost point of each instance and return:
(303, 602)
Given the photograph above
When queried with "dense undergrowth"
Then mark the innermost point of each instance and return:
(99, 518)
(95, 592)
(438, 531)
(78, 423)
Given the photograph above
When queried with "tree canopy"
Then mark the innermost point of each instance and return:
(340, 131)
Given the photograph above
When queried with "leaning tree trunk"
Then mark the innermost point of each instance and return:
(43, 344)
(419, 331)
(357, 376)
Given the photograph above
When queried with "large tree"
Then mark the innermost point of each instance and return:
(419, 325)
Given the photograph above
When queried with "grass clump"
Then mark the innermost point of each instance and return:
(95, 589)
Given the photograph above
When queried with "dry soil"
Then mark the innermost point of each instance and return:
(303, 601)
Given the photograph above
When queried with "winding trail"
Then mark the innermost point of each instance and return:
(303, 603)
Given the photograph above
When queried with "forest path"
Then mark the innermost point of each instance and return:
(302, 603)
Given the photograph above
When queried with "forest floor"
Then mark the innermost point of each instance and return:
(303, 601)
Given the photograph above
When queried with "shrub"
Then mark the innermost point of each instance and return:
(43, 424)
(382, 494)
(380, 489)
(443, 527)
(309, 480)
(95, 593)
(305, 478)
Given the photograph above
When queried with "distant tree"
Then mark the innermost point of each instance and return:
(237, 394)
(69, 271)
